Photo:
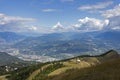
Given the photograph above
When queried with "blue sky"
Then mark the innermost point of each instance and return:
(39, 14)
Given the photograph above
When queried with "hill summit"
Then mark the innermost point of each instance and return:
(112, 54)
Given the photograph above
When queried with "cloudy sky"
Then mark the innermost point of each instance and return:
(59, 15)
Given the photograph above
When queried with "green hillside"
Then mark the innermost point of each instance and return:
(71, 69)
(109, 70)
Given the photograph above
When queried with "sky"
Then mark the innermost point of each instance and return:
(44, 16)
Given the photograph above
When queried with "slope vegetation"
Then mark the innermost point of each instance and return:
(71, 66)
(109, 70)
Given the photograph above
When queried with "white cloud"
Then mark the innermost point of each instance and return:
(114, 18)
(112, 12)
(85, 25)
(114, 23)
(90, 24)
(49, 10)
(33, 28)
(97, 6)
(14, 24)
(111, 22)
(58, 27)
(4, 19)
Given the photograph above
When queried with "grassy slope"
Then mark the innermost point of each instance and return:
(36, 72)
(69, 65)
(109, 70)
(86, 61)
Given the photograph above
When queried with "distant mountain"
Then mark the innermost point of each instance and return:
(65, 36)
(6, 59)
(113, 36)
(60, 45)
(11, 37)
(69, 44)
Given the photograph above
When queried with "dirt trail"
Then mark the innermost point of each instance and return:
(3, 77)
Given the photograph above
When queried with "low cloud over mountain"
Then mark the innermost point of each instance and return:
(90, 24)
(58, 27)
(110, 22)
(113, 15)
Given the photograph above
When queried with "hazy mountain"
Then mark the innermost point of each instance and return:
(6, 59)
(69, 44)
(57, 45)
(113, 36)
(10, 37)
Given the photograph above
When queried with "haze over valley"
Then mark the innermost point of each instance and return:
(50, 47)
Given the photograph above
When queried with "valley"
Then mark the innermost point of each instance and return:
(57, 46)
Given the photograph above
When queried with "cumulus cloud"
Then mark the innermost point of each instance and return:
(32, 28)
(14, 24)
(39, 29)
(97, 6)
(90, 24)
(58, 27)
(111, 22)
(85, 25)
(114, 23)
(113, 15)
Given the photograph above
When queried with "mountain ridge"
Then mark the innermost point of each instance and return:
(6, 59)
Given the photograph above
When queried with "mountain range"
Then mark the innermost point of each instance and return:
(6, 59)
(55, 46)
(10, 37)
